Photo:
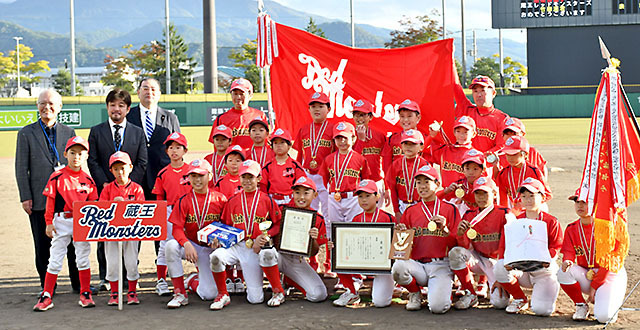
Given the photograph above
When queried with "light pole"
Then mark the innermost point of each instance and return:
(18, 59)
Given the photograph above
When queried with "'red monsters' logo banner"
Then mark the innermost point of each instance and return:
(385, 77)
(119, 221)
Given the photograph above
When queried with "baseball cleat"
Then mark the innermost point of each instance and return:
(178, 300)
(132, 298)
(113, 300)
(482, 290)
(467, 301)
(189, 280)
(44, 303)
(415, 301)
(347, 298)
(582, 312)
(85, 300)
(517, 305)
(276, 300)
(231, 288)
(162, 288)
(220, 302)
(104, 285)
(238, 286)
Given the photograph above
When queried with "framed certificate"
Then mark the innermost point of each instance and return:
(361, 248)
(294, 231)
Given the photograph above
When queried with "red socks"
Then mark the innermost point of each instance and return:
(347, 281)
(273, 275)
(50, 283)
(162, 271)
(178, 285)
(85, 280)
(221, 282)
(466, 279)
(193, 284)
(413, 286)
(574, 292)
(514, 290)
(114, 287)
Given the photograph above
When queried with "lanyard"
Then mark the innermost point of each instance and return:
(588, 249)
(409, 178)
(315, 140)
(374, 218)
(249, 213)
(340, 171)
(427, 212)
(200, 217)
(51, 146)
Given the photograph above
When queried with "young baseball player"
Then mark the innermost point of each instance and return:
(400, 177)
(372, 145)
(382, 290)
(296, 270)
(478, 235)
(511, 177)
(67, 185)
(409, 113)
(240, 115)
(433, 221)
(122, 188)
(171, 183)
(260, 151)
(280, 173)
(473, 164)
(543, 281)
(247, 210)
(221, 142)
(514, 126)
(580, 272)
(193, 211)
(449, 156)
(229, 184)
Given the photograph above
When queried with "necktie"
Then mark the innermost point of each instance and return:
(117, 139)
(148, 125)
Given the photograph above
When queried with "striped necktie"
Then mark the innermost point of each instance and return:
(148, 125)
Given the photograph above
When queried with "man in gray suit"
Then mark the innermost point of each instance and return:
(39, 151)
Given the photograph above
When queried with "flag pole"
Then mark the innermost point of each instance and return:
(267, 72)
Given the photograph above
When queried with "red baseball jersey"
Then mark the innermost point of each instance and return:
(488, 122)
(262, 155)
(228, 185)
(171, 183)
(554, 234)
(378, 215)
(575, 247)
(426, 243)
(356, 169)
(238, 121)
(534, 158)
(188, 218)
(319, 224)
(130, 192)
(449, 157)
(303, 145)
(394, 151)
(64, 187)
(489, 230)
(217, 164)
(469, 198)
(279, 178)
(265, 210)
(395, 180)
(374, 149)
(510, 178)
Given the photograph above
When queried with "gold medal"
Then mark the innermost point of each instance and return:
(460, 193)
(410, 201)
(590, 274)
(313, 164)
(472, 233)
(337, 197)
(432, 226)
(249, 243)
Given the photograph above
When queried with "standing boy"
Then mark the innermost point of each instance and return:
(229, 184)
(221, 142)
(449, 156)
(260, 150)
(280, 173)
(409, 113)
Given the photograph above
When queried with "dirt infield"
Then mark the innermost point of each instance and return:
(19, 284)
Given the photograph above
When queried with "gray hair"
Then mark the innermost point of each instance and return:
(55, 95)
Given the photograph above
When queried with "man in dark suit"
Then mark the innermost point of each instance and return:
(39, 150)
(115, 134)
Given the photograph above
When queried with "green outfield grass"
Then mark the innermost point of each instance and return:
(539, 131)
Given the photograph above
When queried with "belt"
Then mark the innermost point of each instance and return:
(343, 194)
(66, 215)
(428, 260)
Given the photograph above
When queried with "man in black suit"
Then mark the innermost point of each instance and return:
(115, 134)
(39, 149)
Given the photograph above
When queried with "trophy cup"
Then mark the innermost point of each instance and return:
(264, 227)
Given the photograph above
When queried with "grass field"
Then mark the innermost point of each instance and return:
(553, 131)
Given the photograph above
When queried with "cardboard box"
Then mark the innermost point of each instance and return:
(227, 236)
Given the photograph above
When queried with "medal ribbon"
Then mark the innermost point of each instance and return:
(480, 216)
(427, 212)
(375, 216)
(409, 184)
(200, 217)
(315, 141)
(340, 171)
(588, 252)
(217, 169)
(249, 217)
(513, 193)
(263, 155)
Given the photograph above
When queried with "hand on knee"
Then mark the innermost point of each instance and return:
(216, 264)
(268, 258)
(456, 258)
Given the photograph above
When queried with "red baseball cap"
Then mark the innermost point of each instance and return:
(250, 167)
(282, 134)
(412, 135)
(259, 120)
(320, 98)
(363, 106)
(515, 144)
(177, 137)
(120, 156)
(532, 185)
(344, 129)
(482, 81)
(474, 156)
(485, 184)
(514, 124)
(222, 130)
(242, 84)
(235, 149)
(428, 171)
(466, 122)
(368, 186)
(199, 166)
(77, 140)
(576, 196)
(303, 181)
(409, 105)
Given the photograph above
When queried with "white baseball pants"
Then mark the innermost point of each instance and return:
(130, 253)
(342, 211)
(320, 202)
(298, 270)
(61, 239)
(207, 289)
(436, 275)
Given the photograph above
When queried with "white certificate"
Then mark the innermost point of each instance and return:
(362, 247)
(294, 238)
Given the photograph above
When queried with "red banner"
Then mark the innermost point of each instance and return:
(385, 77)
(120, 221)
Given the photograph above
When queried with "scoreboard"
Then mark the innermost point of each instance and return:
(557, 8)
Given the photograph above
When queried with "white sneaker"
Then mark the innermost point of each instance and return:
(357, 283)
(517, 305)
(231, 288)
(276, 300)
(346, 298)
(466, 301)
(482, 290)
(338, 286)
(220, 301)
(238, 286)
(188, 279)
(178, 300)
(415, 301)
(582, 312)
(162, 288)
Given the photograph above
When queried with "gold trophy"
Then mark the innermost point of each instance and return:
(264, 227)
